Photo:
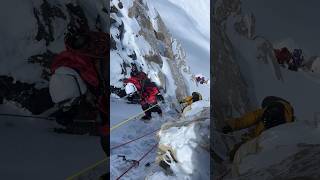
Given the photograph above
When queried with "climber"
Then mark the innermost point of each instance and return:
(297, 59)
(137, 78)
(199, 78)
(149, 96)
(283, 55)
(274, 111)
(78, 82)
(187, 101)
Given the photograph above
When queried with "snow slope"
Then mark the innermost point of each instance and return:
(30, 150)
(127, 132)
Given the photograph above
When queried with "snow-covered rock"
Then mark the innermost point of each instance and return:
(290, 150)
(183, 150)
(315, 67)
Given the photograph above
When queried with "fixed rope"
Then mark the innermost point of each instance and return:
(133, 165)
(27, 116)
(87, 169)
(131, 118)
(117, 146)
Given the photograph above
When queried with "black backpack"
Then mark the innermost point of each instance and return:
(270, 99)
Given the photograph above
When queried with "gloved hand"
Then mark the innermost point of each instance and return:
(160, 97)
(226, 129)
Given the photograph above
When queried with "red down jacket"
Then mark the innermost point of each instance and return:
(83, 64)
(283, 55)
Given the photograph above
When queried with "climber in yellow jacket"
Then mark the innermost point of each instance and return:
(190, 99)
(274, 111)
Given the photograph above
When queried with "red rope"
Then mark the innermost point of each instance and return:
(133, 165)
(117, 146)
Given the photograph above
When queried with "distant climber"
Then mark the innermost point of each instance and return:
(78, 81)
(148, 93)
(274, 111)
(200, 79)
(187, 101)
(296, 60)
(283, 55)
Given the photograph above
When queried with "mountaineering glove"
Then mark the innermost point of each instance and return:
(226, 129)
(160, 97)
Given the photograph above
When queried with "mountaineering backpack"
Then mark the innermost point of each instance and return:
(273, 115)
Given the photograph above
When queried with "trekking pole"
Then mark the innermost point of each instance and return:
(27, 116)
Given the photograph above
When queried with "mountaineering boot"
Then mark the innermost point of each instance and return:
(145, 117)
(104, 177)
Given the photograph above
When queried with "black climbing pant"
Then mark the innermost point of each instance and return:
(105, 141)
(156, 109)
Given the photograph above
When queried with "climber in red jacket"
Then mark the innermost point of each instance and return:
(137, 78)
(87, 55)
(149, 99)
(148, 92)
(283, 55)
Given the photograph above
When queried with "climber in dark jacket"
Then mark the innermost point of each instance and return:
(274, 111)
(297, 59)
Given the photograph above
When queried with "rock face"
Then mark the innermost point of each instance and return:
(156, 48)
(40, 45)
(230, 88)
